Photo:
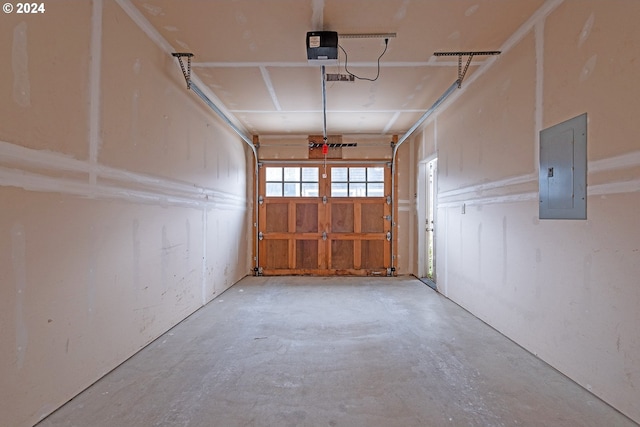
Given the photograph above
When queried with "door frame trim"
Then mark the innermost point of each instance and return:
(421, 207)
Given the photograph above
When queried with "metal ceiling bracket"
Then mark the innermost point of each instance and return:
(462, 72)
(185, 72)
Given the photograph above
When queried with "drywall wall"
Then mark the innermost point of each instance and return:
(123, 201)
(567, 290)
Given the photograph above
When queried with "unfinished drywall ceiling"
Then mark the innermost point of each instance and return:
(252, 55)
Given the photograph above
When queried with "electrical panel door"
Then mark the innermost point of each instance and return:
(563, 170)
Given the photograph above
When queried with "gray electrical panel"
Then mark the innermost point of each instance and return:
(563, 170)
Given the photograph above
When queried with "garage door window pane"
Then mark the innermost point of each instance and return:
(375, 174)
(274, 174)
(310, 175)
(274, 189)
(358, 189)
(310, 189)
(339, 175)
(357, 174)
(291, 189)
(339, 189)
(375, 189)
(291, 174)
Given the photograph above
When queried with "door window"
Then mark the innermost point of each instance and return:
(357, 182)
(292, 182)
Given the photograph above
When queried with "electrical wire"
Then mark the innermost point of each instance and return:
(346, 61)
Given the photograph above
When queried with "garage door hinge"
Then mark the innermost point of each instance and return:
(260, 236)
(324, 200)
(389, 236)
(388, 200)
(324, 235)
(260, 200)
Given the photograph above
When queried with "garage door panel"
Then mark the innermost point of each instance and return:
(342, 254)
(306, 254)
(342, 220)
(277, 253)
(277, 217)
(372, 254)
(372, 218)
(306, 217)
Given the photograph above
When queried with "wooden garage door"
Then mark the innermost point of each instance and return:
(312, 222)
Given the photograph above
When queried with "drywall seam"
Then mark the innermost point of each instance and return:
(615, 163)
(16, 155)
(205, 239)
(610, 188)
(146, 27)
(473, 198)
(94, 87)
(317, 15)
(516, 180)
(435, 136)
(269, 84)
(20, 66)
(631, 186)
(28, 157)
(42, 183)
(477, 201)
(624, 161)
(391, 121)
(159, 186)
(333, 111)
(18, 262)
(538, 114)
(296, 64)
(541, 14)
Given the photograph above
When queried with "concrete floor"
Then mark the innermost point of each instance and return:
(303, 351)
